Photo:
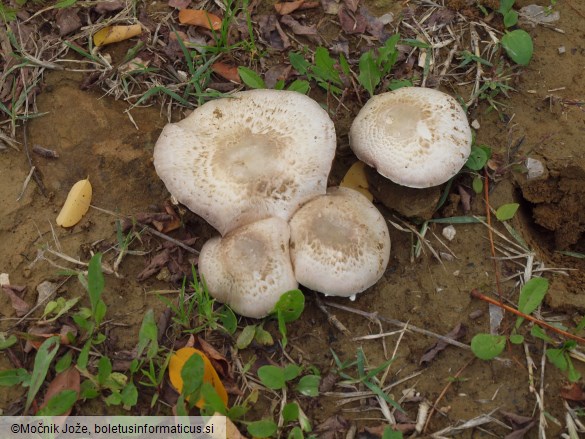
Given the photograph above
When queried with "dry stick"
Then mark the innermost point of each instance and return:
(443, 392)
(35, 173)
(490, 233)
(334, 321)
(478, 295)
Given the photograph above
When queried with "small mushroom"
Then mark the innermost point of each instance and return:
(249, 268)
(416, 137)
(254, 155)
(340, 243)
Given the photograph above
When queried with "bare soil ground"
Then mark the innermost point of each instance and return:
(542, 119)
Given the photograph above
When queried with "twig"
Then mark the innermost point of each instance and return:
(334, 321)
(490, 233)
(26, 182)
(35, 173)
(478, 295)
(443, 392)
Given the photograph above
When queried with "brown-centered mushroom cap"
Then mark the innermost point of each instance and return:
(340, 243)
(249, 268)
(254, 155)
(416, 137)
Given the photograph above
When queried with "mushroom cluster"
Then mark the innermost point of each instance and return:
(247, 164)
(255, 166)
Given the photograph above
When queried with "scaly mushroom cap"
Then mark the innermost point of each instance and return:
(416, 137)
(340, 243)
(254, 155)
(249, 268)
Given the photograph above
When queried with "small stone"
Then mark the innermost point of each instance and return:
(475, 124)
(4, 279)
(562, 50)
(535, 168)
(449, 232)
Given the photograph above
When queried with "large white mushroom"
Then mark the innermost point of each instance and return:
(416, 137)
(249, 268)
(254, 155)
(339, 243)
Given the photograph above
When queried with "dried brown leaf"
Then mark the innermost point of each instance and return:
(297, 27)
(109, 6)
(199, 17)
(330, 6)
(19, 305)
(573, 392)
(155, 265)
(333, 424)
(219, 362)
(465, 199)
(351, 23)
(456, 333)
(226, 71)
(352, 5)
(68, 20)
(276, 73)
(285, 8)
(69, 379)
(521, 432)
(179, 4)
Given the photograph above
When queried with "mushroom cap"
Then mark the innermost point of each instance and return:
(249, 268)
(416, 137)
(254, 155)
(340, 243)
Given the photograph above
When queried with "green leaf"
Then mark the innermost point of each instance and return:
(246, 337)
(510, 18)
(573, 254)
(296, 433)
(95, 280)
(100, 312)
(148, 336)
(6, 342)
(88, 390)
(369, 76)
(558, 358)
(324, 67)
(228, 319)
(531, 296)
(505, 6)
(487, 346)
(263, 337)
(290, 412)
(516, 339)
(64, 362)
(413, 42)
(213, 402)
(65, 3)
(129, 395)
(291, 305)
(279, 85)
(114, 399)
(263, 428)
(300, 86)
(192, 375)
(251, 78)
(309, 385)
(507, 211)
(395, 84)
(538, 332)
(291, 371)
(572, 373)
(477, 185)
(477, 158)
(272, 377)
(43, 359)
(12, 377)
(518, 45)
(59, 404)
(104, 370)
(299, 63)
(389, 433)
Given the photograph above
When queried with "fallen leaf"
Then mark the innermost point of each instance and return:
(328, 382)
(45, 290)
(19, 305)
(67, 20)
(199, 17)
(218, 361)
(226, 71)
(351, 23)
(210, 375)
(109, 6)
(573, 392)
(272, 33)
(179, 4)
(155, 265)
(465, 199)
(456, 333)
(355, 178)
(278, 72)
(288, 7)
(331, 425)
(330, 6)
(115, 34)
(64, 334)
(77, 203)
(69, 379)
(352, 5)
(521, 432)
(297, 27)
(374, 25)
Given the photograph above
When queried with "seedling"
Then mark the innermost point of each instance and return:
(517, 43)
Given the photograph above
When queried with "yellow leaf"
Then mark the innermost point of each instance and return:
(115, 34)
(355, 178)
(176, 364)
(76, 204)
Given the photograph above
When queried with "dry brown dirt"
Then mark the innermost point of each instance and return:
(95, 137)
